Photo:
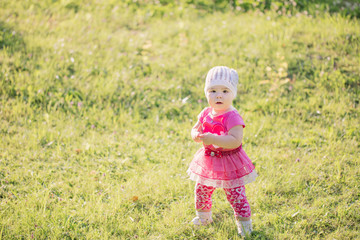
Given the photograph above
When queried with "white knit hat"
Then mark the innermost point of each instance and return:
(223, 76)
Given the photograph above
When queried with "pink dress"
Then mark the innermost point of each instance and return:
(218, 167)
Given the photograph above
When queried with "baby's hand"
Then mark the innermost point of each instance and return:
(207, 138)
(196, 137)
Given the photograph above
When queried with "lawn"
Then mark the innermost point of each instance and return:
(97, 100)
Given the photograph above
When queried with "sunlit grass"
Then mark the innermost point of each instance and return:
(97, 105)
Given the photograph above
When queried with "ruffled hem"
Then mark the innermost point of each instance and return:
(218, 183)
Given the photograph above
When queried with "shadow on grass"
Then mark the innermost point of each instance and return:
(256, 234)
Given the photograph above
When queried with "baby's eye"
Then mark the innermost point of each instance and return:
(225, 91)
(212, 91)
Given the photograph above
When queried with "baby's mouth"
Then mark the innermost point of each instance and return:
(218, 102)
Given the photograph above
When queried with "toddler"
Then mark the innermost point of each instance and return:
(221, 162)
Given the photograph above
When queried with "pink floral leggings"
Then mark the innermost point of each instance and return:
(236, 197)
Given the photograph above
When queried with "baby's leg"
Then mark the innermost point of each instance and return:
(238, 201)
(237, 198)
(203, 204)
(203, 195)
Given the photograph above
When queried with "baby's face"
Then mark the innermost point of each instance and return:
(219, 98)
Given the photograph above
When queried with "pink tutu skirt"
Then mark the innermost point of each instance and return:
(224, 171)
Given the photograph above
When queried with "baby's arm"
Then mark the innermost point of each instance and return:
(195, 131)
(232, 140)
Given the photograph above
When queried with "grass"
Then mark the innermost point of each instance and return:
(97, 103)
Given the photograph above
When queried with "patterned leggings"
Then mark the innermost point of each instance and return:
(236, 197)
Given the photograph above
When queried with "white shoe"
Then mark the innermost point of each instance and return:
(244, 227)
(202, 218)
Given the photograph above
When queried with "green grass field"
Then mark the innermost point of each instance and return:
(98, 100)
